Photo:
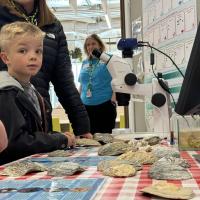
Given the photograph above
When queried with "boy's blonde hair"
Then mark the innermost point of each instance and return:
(10, 31)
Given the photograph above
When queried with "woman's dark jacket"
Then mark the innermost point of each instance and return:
(25, 128)
(56, 66)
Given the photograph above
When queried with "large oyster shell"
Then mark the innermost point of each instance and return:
(113, 149)
(163, 151)
(105, 164)
(121, 170)
(64, 169)
(21, 168)
(170, 168)
(142, 157)
(168, 190)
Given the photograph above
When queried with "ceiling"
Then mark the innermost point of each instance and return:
(83, 17)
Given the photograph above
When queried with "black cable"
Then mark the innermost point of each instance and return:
(152, 61)
(146, 44)
(173, 99)
(186, 121)
(163, 85)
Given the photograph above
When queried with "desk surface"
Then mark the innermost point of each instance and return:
(107, 188)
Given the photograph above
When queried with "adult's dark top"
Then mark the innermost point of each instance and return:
(56, 67)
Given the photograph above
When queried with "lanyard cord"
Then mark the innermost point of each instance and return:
(32, 19)
(90, 72)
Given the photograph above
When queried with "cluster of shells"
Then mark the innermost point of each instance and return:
(127, 157)
(22, 168)
(130, 156)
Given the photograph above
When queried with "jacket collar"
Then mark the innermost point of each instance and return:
(6, 81)
(24, 101)
(46, 17)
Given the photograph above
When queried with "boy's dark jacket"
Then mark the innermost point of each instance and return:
(56, 66)
(25, 131)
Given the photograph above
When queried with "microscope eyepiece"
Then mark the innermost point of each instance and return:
(96, 53)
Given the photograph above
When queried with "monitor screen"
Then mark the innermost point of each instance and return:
(189, 97)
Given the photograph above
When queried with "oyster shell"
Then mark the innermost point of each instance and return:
(59, 153)
(87, 142)
(121, 170)
(103, 165)
(163, 151)
(168, 190)
(138, 143)
(21, 168)
(153, 140)
(142, 157)
(103, 138)
(113, 149)
(64, 169)
(170, 168)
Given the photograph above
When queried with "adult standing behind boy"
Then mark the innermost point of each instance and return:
(22, 108)
(95, 88)
(56, 67)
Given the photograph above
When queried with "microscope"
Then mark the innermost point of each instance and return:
(125, 81)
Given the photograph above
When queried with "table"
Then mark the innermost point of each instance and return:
(110, 188)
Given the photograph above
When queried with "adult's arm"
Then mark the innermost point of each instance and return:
(66, 91)
(20, 138)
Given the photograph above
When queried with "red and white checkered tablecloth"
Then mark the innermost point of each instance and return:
(123, 188)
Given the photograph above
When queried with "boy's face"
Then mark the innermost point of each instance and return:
(91, 44)
(23, 57)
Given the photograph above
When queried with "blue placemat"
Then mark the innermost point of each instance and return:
(79, 189)
(84, 161)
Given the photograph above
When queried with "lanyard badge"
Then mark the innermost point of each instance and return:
(89, 85)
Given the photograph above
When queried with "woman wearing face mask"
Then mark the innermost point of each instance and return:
(95, 89)
(56, 66)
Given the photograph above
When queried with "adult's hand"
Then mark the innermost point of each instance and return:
(3, 137)
(86, 135)
(71, 139)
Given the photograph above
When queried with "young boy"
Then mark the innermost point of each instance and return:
(22, 109)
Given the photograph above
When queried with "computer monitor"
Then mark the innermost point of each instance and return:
(189, 97)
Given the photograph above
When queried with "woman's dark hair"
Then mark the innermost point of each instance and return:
(98, 39)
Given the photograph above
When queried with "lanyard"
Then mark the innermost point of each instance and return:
(32, 19)
(91, 70)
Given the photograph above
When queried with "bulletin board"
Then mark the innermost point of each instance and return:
(170, 26)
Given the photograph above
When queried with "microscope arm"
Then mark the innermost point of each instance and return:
(124, 81)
